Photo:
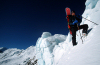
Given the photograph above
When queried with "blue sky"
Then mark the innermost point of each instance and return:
(22, 22)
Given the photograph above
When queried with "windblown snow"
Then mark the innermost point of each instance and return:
(58, 49)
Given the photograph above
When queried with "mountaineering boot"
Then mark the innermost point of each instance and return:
(84, 34)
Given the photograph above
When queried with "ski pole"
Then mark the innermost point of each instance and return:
(90, 21)
(80, 34)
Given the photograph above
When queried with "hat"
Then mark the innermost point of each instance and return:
(73, 11)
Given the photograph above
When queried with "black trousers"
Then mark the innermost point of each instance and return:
(74, 29)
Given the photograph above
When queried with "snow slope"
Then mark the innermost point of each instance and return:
(87, 53)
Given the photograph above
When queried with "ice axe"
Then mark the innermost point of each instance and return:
(90, 21)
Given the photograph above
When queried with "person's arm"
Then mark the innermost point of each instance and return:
(76, 21)
(79, 18)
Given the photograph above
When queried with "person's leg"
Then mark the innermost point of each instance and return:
(84, 27)
(73, 36)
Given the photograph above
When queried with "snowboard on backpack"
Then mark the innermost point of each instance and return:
(68, 12)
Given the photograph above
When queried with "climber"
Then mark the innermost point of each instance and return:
(74, 25)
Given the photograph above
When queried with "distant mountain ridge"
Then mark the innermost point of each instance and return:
(2, 49)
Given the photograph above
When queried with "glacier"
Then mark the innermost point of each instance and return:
(58, 49)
